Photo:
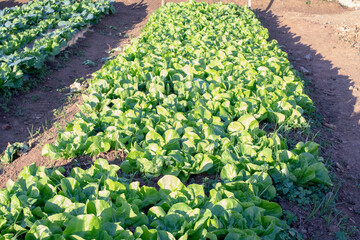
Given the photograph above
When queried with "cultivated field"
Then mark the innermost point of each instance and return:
(187, 121)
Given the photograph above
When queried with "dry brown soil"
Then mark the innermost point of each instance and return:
(318, 35)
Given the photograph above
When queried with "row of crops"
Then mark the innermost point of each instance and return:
(33, 32)
(191, 95)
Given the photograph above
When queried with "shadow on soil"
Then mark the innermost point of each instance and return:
(9, 4)
(323, 78)
(322, 72)
(36, 110)
(114, 158)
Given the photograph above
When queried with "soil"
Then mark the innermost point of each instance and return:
(322, 40)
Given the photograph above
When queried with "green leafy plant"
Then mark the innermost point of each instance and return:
(187, 103)
(89, 63)
(187, 97)
(14, 151)
(33, 32)
(95, 204)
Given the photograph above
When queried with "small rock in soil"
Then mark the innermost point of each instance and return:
(344, 29)
(76, 87)
(338, 165)
(334, 228)
(330, 125)
(6, 127)
(308, 57)
(352, 202)
(304, 71)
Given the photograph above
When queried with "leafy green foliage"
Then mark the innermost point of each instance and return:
(95, 204)
(33, 32)
(188, 97)
(13, 151)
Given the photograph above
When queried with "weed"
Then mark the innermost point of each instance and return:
(89, 63)
(32, 132)
(4, 105)
(289, 217)
(35, 98)
(79, 52)
(209, 183)
(44, 126)
(326, 205)
(101, 32)
(341, 236)
(106, 59)
(19, 111)
(118, 49)
(45, 89)
(79, 79)
(147, 180)
(132, 175)
(66, 56)
(346, 229)
(57, 112)
(123, 35)
(57, 125)
(297, 194)
(112, 27)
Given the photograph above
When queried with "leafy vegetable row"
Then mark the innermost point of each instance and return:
(182, 105)
(46, 16)
(96, 204)
(17, 19)
(188, 96)
(67, 18)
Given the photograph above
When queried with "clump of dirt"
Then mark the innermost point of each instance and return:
(350, 34)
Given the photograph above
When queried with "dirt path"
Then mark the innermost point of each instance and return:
(311, 32)
(334, 68)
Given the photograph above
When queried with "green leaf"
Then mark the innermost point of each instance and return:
(57, 204)
(321, 174)
(171, 134)
(83, 225)
(271, 208)
(97, 144)
(156, 212)
(171, 183)
(38, 231)
(150, 195)
(50, 151)
(226, 204)
(154, 137)
(228, 172)
(235, 127)
(96, 207)
(245, 234)
(180, 208)
(70, 186)
(164, 235)
(249, 122)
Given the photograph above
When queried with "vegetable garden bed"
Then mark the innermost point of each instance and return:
(186, 97)
(34, 32)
